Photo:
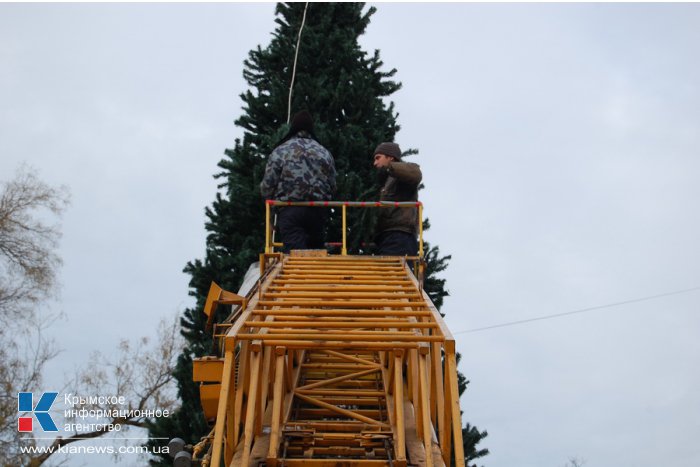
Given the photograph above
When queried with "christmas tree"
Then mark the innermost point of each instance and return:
(345, 89)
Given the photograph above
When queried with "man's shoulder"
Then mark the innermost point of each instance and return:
(310, 145)
(297, 142)
(412, 165)
(301, 145)
(286, 147)
(405, 172)
(315, 144)
(403, 167)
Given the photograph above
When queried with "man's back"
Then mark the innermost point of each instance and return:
(300, 169)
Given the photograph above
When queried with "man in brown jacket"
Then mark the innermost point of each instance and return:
(396, 227)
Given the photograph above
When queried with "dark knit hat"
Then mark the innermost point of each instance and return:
(389, 149)
(302, 121)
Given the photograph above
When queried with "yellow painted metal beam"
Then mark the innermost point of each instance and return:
(320, 369)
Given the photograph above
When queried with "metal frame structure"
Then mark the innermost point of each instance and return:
(330, 361)
(269, 244)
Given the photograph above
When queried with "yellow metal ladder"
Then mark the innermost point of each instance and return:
(332, 361)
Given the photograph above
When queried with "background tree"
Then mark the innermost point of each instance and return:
(28, 260)
(575, 462)
(28, 276)
(141, 371)
(345, 89)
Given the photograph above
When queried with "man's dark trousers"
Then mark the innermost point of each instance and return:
(396, 243)
(301, 227)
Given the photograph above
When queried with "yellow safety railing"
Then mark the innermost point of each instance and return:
(269, 245)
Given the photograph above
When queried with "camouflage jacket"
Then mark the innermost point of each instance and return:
(400, 183)
(299, 170)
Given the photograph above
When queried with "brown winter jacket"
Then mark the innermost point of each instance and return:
(401, 185)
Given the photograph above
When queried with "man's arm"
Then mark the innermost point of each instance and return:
(406, 172)
(268, 186)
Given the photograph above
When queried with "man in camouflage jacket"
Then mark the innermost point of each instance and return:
(300, 169)
(396, 227)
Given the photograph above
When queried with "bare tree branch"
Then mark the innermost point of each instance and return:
(141, 372)
(28, 262)
(575, 462)
(29, 235)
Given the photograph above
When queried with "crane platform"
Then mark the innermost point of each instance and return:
(329, 360)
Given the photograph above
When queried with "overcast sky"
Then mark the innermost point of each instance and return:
(560, 149)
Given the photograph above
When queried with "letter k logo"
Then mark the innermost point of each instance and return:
(40, 411)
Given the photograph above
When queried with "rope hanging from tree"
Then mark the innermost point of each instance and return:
(294, 68)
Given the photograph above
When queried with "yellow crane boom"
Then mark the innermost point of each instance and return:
(330, 361)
